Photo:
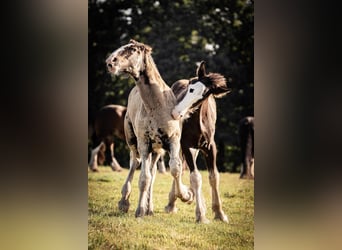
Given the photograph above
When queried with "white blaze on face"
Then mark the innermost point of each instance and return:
(195, 92)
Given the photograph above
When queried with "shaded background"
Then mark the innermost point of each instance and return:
(181, 33)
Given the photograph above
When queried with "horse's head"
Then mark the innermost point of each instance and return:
(200, 88)
(128, 59)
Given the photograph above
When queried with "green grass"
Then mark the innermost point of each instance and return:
(108, 228)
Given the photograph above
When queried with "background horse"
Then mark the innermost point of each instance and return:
(198, 135)
(246, 139)
(149, 126)
(109, 123)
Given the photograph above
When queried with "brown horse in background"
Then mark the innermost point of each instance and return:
(198, 135)
(109, 123)
(246, 139)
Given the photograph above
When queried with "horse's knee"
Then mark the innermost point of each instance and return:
(144, 182)
(175, 167)
(214, 178)
(195, 180)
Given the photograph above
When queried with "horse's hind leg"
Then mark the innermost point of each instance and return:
(115, 164)
(161, 164)
(214, 180)
(127, 187)
(93, 158)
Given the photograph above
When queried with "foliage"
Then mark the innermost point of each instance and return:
(181, 33)
(108, 228)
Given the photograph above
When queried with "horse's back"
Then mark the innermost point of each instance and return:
(109, 121)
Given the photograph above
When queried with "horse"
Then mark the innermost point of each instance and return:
(246, 139)
(109, 123)
(149, 126)
(198, 131)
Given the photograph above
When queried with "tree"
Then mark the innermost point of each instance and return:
(181, 33)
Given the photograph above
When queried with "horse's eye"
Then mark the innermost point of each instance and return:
(191, 90)
(114, 59)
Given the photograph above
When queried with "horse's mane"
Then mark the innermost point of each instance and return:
(217, 79)
(150, 67)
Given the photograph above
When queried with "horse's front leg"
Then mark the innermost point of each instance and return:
(190, 156)
(155, 159)
(171, 206)
(145, 180)
(127, 187)
(181, 191)
(214, 180)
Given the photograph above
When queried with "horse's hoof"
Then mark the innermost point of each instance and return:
(117, 168)
(123, 205)
(171, 209)
(203, 220)
(95, 170)
(139, 212)
(222, 217)
(189, 198)
(150, 213)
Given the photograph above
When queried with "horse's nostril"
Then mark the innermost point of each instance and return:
(109, 65)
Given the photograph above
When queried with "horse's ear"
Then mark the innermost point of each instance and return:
(147, 48)
(201, 70)
(221, 91)
(141, 46)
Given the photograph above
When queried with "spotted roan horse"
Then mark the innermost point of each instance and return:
(198, 135)
(149, 125)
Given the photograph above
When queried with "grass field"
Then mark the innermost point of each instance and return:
(108, 228)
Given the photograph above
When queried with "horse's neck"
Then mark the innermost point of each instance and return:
(152, 72)
(207, 118)
(152, 87)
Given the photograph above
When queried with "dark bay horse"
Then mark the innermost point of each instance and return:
(246, 139)
(149, 126)
(109, 123)
(198, 135)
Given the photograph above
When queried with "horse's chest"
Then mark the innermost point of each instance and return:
(158, 138)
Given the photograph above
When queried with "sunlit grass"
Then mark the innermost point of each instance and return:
(108, 228)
